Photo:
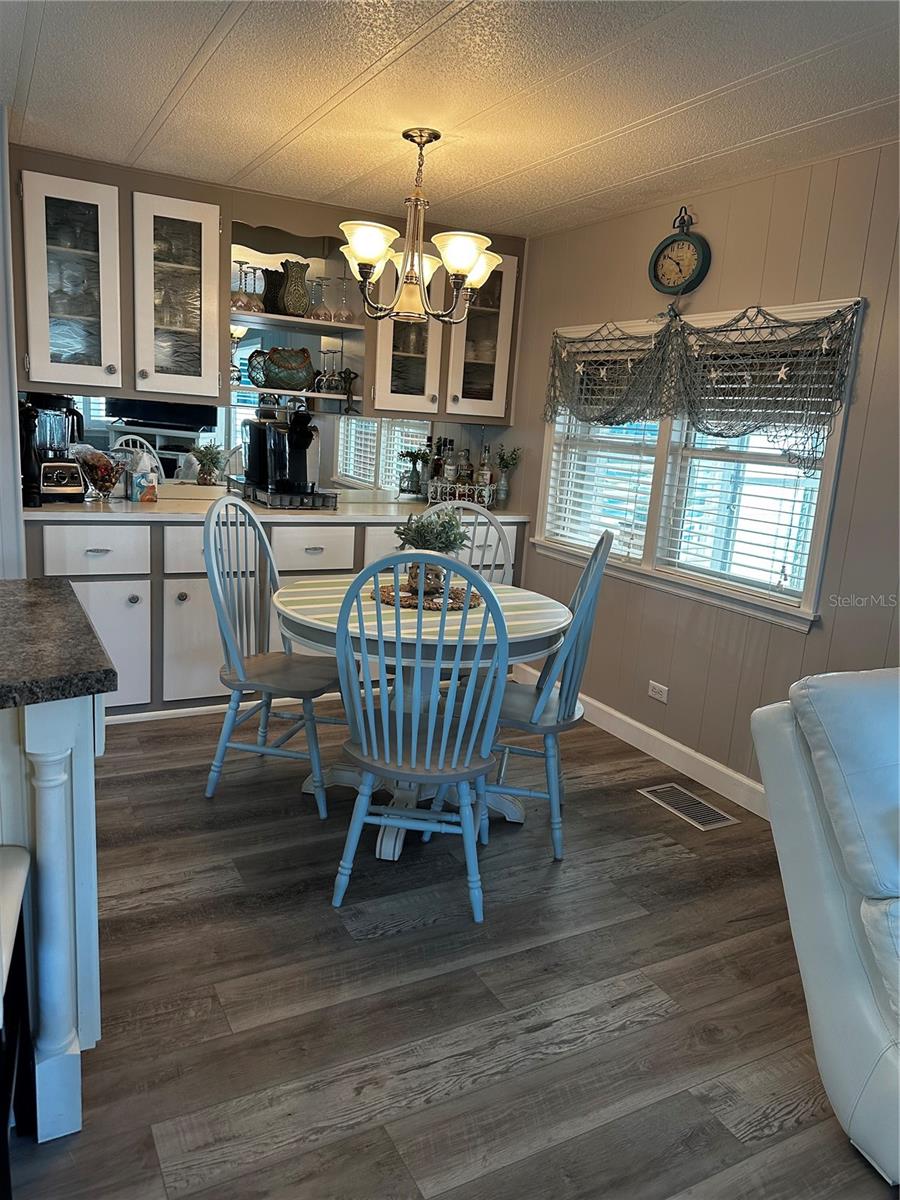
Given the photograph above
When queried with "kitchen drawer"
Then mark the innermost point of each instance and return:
(96, 549)
(380, 540)
(313, 547)
(183, 550)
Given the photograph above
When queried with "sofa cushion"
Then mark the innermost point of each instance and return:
(881, 921)
(850, 723)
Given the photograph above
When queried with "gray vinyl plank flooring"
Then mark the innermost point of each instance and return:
(626, 1025)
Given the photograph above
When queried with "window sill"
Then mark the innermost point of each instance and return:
(765, 610)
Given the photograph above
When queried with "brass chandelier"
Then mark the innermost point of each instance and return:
(465, 257)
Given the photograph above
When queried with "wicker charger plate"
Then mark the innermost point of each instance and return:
(457, 599)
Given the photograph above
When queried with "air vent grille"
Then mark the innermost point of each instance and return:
(689, 807)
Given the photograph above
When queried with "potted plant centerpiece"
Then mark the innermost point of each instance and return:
(209, 461)
(441, 532)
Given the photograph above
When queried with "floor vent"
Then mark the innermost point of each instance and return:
(689, 807)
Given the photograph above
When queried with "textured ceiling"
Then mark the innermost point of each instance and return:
(553, 113)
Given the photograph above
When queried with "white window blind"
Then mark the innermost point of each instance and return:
(600, 478)
(357, 449)
(397, 436)
(737, 511)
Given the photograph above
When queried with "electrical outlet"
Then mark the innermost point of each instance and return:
(658, 692)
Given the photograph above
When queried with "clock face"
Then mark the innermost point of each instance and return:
(679, 264)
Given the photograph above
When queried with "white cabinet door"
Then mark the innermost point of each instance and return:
(408, 357)
(72, 280)
(176, 296)
(192, 650)
(380, 540)
(120, 612)
(480, 348)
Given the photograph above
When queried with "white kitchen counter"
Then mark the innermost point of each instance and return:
(193, 510)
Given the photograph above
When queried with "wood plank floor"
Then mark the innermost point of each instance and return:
(628, 1023)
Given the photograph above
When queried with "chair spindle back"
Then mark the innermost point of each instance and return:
(242, 577)
(409, 721)
(566, 666)
(488, 550)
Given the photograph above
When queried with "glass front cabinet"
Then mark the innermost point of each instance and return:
(480, 348)
(408, 356)
(176, 287)
(71, 243)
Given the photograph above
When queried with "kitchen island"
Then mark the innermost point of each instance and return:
(53, 672)
(138, 570)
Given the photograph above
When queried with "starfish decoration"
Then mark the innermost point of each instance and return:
(714, 374)
(748, 378)
(629, 365)
(579, 368)
(783, 373)
(826, 343)
(603, 372)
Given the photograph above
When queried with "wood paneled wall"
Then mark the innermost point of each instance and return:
(822, 232)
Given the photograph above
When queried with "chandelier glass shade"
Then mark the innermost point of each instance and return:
(464, 255)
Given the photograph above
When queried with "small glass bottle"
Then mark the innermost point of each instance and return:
(466, 471)
(483, 475)
(437, 462)
(451, 466)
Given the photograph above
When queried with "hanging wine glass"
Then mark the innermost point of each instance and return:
(343, 314)
(322, 312)
(244, 300)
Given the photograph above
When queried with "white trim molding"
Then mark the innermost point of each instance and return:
(737, 788)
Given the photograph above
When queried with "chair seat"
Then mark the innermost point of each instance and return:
(14, 864)
(379, 766)
(292, 676)
(519, 700)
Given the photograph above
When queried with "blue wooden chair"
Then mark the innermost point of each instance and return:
(242, 577)
(415, 727)
(488, 548)
(551, 705)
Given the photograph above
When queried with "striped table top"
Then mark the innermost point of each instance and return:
(310, 607)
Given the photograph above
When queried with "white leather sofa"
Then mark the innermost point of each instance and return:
(831, 769)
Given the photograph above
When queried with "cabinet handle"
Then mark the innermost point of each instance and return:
(98, 550)
(454, 399)
(112, 369)
(134, 598)
(182, 596)
(313, 549)
(143, 374)
(432, 399)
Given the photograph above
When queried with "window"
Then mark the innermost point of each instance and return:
(368, 450)
(730, 516)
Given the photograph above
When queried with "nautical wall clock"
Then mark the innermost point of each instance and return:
(680, 262)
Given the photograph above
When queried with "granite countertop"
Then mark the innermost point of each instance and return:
(50, 650)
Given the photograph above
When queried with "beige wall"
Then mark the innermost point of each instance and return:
(823, 232)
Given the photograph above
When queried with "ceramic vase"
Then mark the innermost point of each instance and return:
(293, 299)
(274, 282)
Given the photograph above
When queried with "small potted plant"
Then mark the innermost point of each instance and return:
(507, 460)
(209, 459)
(441, 532)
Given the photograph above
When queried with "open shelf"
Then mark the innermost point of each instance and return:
(257, 320)
(310, 395)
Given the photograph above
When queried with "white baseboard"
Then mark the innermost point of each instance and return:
(198, 710)
(733, 786)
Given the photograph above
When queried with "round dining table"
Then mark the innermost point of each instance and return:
(308, 614)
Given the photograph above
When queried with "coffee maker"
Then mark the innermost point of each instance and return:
(48, 425)
(276, 453)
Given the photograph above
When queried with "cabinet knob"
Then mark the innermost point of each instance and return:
(111, 369)
(134, 598)
(143, 374)
(182, 596)
(454, 399)
(432, 399)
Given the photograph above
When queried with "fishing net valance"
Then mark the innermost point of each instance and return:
(755, 372)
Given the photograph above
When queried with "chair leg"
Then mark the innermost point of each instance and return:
(224, 738)
(360, 808)
(502, 765)
(473, 877)
(554, 790)
(264, 720)
(315, 758)
(437, 806)
(484, 828)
